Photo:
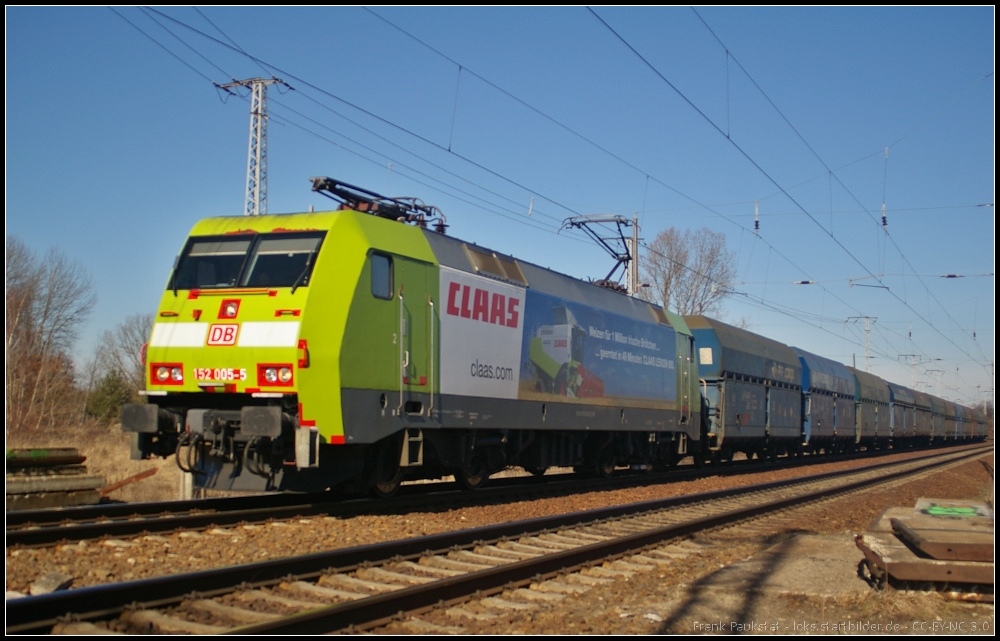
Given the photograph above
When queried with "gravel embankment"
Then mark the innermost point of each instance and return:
(669, 601)
(109, 561)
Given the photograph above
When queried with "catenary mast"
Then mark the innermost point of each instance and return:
(256, 199)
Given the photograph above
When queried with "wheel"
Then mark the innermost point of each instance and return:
(474, 475)
(605, 468)
(387, 486)
(667, 462)
(386, 476)
(535, 470)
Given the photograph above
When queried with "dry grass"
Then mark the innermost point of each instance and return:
(891, 603)
(107, 451)
(908, 605)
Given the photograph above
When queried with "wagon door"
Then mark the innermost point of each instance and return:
(784, 412)
(745, 411)
(685, 363)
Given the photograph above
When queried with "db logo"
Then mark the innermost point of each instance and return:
(222, 334)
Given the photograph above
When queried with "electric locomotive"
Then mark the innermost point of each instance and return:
(364, 346)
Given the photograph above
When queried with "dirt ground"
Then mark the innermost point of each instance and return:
(688, 598)
(107, 450)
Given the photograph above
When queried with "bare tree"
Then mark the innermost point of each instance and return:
(689, 271)
(121, 350)
(47, 301)
(116, 373)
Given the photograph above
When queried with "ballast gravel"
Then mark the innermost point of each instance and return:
(141, 557)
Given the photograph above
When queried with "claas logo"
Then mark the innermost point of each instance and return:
(223, 334)
(483, 305)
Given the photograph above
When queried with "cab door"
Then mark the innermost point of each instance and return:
(416, 338)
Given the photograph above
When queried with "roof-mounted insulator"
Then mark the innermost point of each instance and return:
(612, 285)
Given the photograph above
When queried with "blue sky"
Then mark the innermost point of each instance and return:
(115, 148)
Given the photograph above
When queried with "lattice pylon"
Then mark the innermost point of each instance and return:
(256, 200)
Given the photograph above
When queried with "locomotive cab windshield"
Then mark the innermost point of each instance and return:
(264, 260)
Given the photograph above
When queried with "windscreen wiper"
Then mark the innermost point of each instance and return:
(305, 270)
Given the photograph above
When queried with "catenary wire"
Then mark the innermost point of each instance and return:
(773, 181)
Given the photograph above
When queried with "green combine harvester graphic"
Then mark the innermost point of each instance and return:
(557, 354)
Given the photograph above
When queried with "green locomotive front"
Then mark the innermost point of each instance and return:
(305, 351)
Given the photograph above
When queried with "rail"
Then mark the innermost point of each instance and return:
(39, 614)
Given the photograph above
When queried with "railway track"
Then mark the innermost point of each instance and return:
(513, 566)
(35, 528)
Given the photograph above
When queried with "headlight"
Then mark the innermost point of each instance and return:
(275, 374)
(166, 373)
(230, 310)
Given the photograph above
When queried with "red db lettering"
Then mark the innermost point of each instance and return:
(222, 334)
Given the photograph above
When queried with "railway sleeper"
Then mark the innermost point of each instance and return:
(269, 597)
(322, 592)
(462, 613)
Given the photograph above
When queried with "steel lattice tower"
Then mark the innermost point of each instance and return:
(256, 201)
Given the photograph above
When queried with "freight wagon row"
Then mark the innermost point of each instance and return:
(761, 396)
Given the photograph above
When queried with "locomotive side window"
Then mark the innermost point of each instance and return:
(283, 260)
(210, 262)
(381, 276)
